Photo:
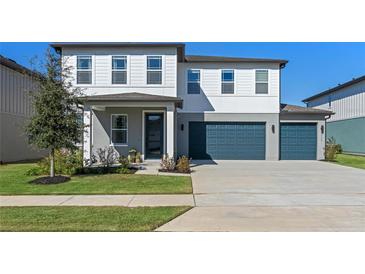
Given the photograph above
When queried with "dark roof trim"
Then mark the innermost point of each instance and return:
(15, 66)
(132, 97)
(180, 46)
(349, 83)
(292, 109)
(219, 59)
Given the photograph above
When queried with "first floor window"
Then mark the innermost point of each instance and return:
(84, 70)
(227, 81)
(119, 70)
(154, 70)
(193, 81)
(262, 81)
(119, 134)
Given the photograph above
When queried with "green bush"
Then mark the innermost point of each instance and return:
(124, 162)
(183, 164)
(331, 149)
(67, 162)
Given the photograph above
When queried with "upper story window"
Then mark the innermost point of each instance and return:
(154, 70)
(262, 81)
(119, 130)
(84, 70)
(119, 70)
(227, 81)
(193, 81)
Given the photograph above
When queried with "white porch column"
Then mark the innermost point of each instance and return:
(87, 134)
(170, 131)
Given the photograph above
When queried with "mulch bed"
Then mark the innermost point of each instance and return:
(173, 171)
(50, 180)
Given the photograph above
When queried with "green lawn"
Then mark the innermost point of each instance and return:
(70, 218)
(14, 181)
(350, 160)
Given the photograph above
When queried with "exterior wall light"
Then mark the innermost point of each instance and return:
(273, 128)
(322, 129)
(182, 127)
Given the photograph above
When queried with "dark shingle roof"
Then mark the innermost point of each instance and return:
(213, 59)
(133, 97)
(328, 91)
(285, 108)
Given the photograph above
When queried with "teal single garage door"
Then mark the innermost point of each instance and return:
(227, 140)
(298, 141)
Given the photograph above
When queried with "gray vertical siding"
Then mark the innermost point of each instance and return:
(15, 110)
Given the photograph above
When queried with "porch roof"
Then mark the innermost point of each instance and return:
(132, 97)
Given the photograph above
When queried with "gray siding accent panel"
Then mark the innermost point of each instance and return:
(272, 138)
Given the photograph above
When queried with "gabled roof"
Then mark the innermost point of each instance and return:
(328, 91)
(285, 108)
(219, 59)
(15, 66)
(132, 97)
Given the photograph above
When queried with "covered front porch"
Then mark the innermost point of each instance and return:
(124, 121)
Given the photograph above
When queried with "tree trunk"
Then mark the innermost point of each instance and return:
(51, 157)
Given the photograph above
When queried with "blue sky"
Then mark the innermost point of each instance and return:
(312, 67)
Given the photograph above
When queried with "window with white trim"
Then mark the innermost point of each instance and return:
(193, 81)
(119, 129)
(119, 70)
(262, 81)
(84, 70)
(227, 81)
(154, 70)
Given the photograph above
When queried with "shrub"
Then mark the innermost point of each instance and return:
(124, 162)
(332, 149)
(183, 164)
(66, 162)
(107, 156)
(167, 163)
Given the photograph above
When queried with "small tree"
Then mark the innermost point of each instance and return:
(54, 124)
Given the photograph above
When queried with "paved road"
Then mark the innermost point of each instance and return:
(274, 196)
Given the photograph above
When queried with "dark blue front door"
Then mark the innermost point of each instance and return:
(227, 140)
(298, 141)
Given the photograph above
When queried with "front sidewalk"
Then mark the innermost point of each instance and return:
(99, 200)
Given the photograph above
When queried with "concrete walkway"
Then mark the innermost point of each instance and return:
(98, 200)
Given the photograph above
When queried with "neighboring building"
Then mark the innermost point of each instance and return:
(347, 125)
(15, 108)
(153, 97)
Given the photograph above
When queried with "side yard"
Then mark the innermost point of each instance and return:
(350, 160)
(15, 181)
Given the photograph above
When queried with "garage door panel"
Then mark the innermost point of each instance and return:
(227, 140)
(298, 141)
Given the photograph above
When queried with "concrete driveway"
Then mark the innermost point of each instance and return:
(274, 196)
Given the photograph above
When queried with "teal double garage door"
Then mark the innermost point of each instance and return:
(246, 141)
(227, 140)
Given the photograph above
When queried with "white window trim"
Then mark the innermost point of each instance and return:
(234, 82)
(187, 81)
(91, 70)
(268, 82)
(161, 70)
(111, 130)
(125, 69)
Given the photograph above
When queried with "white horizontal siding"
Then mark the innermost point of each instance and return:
(244, 100)
(347, 103)
(136, 73)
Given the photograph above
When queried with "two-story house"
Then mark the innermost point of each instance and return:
(153, 97)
